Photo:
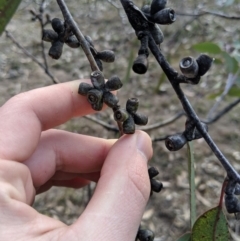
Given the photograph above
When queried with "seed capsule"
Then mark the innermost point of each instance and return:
(152, 172)
(72, 42)
(189, 67)
(175, 142)
(56, 49)
(197, 134)
(97, 79)
(146, 9)
(121, 115)
(49, 35)
(140, 65)
(84, 88)
(58, 25)
(165, 16)
(204, 63)
(157, 34)
(158, 5)
(232, 204)
(145, 235)
(132, 105)
(109, 99)
(156, 186)
(114, 83)
(106, 56)
(89, 40)
(140, 119)
(129, 126)
(94, 97)
(99, 64)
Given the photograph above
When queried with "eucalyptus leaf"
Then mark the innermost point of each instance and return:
(7, 9)
(207, 47)
(212, 225)
(185, 237)
(230, 62)
(234, 92)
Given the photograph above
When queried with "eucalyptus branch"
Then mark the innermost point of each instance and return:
(203, 12)
(33, 58)
(80, 37)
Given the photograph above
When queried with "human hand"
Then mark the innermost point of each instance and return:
(34, 157)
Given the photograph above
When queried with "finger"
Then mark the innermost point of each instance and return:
(121, 193)
(24, 116)
(62, 151)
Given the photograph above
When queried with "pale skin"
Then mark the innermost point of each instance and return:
(34, 157)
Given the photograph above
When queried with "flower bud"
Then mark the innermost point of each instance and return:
(72, 42)
(110, 99)
(58, 25)
(97, 79)
(56, 49)
(49, 35)
(152, 172)
(114, 83)
(145, 235)
(156, 186)
(129, 126)
(106, 56)
(204, 63)
(157, 5)
(140, 65)
(165, 16)
(189, 67)
(84, 88)
(175, 142)
(232, 203)
(121, 115)
(132, 105)
(157, 34)
(140, 120)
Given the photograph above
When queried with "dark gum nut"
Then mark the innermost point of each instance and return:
(106, 56)
(175, 142)
(89, 40)
(94, 96)
(114, 83)
(237, 189)
(232, 204)
(97, 106)
(129, 126)
(110, 99)
(58, 25)
(145, 235)
(140, 65)
(157, 34)
(132, 105)
(140, 119)
(97, 79)
(56, 50)
(189, 67)
(152, 172)
(99, 64)
(84, 88)
(156, 186)
(197, 134)
(204, 63)
(165, 16)
(158, 5)
(72, 42)
(121, 115)
(146, 9)
(49, 35)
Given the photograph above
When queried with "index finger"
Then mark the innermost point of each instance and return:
(26, 115)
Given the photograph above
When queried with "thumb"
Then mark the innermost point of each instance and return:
(122, 192)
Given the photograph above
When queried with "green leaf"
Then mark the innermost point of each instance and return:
(191, 179)
(207, 47)
(185, 237)
(7, 9)
(234, 92)
(230, 62)
(211, 226)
